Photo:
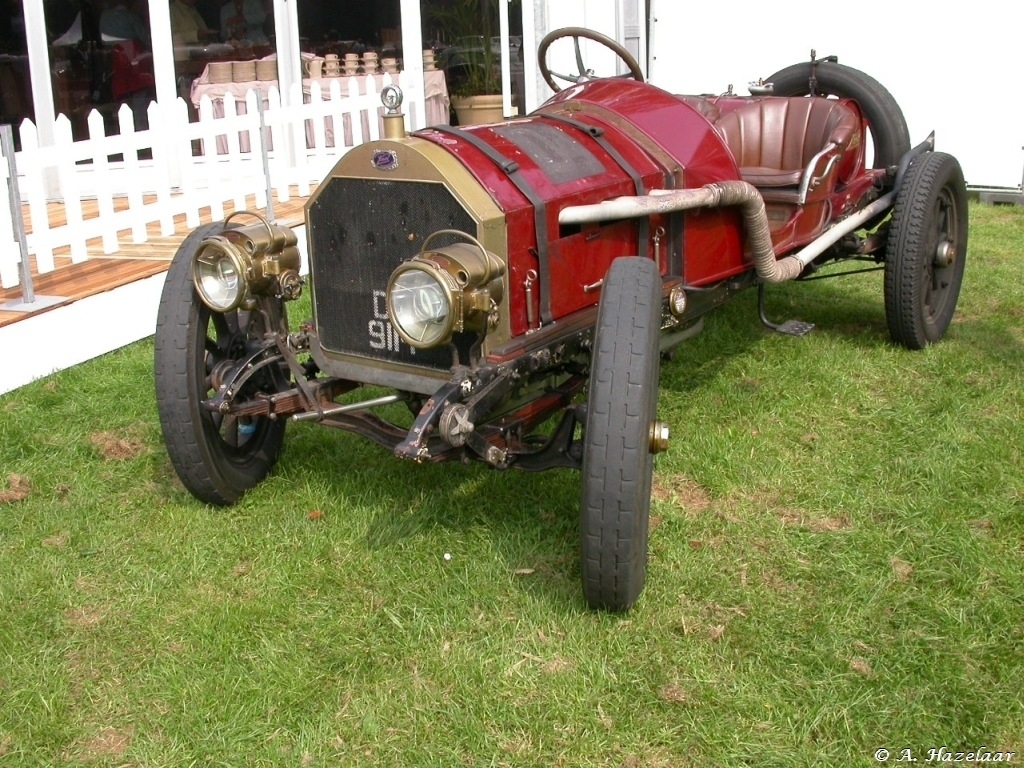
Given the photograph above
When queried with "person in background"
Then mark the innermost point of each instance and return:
(131, 79)
(243, 20)
(187, 24)
(120, 21)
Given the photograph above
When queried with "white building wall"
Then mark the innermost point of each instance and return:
(955, 70)
(598, 15)
(632, 27)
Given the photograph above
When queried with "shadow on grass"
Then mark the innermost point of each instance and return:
(728, 331)
(735, 329)
(848, 307)
(529, 519)
(854, 308)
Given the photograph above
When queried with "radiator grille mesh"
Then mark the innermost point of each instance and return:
(359, 231)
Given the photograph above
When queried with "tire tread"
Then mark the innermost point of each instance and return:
(909, 231)
(617, 464)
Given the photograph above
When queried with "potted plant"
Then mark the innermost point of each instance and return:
(470, 62)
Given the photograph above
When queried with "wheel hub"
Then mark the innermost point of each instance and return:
(220, 373)
(945, 254)
(658, 437)
(455, 424)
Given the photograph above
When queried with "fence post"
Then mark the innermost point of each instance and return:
(266, 159)
(30, 301)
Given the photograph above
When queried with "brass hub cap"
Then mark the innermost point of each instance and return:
(658, 437)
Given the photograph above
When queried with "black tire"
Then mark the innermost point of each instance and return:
(617, 461)
(888, 127)
(926, 252)
(218, 458)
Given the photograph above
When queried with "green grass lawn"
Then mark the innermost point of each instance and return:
(836, 566)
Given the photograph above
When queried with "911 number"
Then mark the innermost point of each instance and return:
(383, 335)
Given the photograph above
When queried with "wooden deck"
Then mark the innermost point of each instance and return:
(104, 271)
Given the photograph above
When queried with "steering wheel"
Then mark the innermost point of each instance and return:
(584, 74)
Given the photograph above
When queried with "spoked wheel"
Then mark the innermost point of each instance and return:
(621, 436)
(583, 73)
(925, 256)
(217, 457)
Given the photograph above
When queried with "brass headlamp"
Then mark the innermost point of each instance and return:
(231, 268)
(440, 292)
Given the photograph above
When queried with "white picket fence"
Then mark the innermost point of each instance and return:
(187, 166)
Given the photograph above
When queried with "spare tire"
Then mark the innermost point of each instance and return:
(888, 127)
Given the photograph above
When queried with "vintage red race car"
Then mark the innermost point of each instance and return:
(517, 284)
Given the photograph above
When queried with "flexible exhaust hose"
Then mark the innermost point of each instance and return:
(716, 195)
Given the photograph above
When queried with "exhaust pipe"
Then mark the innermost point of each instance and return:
(755, 220)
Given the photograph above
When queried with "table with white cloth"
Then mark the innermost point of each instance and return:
(435, 88)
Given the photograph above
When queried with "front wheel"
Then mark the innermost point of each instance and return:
(926, 251)
(217, 457)
(617, 455)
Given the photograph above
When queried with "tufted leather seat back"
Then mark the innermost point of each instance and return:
(774, 139)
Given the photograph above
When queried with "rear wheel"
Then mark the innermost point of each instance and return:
(217, 457)
(617, 457)
(925, 256)
(886, 123)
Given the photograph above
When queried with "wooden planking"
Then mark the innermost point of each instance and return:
(132, 261)
(88, 278)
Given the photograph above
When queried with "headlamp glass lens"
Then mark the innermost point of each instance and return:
(217, 280)
(420, 307)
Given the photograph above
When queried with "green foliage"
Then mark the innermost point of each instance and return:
(470, 25)
(835, 567)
